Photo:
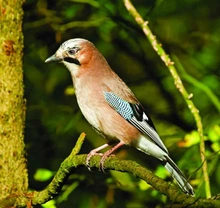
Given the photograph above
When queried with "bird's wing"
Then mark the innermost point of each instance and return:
(134, 114)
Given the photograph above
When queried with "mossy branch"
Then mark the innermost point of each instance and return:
(178, 83)
(112, 163)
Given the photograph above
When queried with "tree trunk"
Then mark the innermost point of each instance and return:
(13, 171)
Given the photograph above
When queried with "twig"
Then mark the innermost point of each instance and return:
(178, 83)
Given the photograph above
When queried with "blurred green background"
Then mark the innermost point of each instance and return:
(188, 30)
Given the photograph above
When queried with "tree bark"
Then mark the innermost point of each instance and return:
(13, 171)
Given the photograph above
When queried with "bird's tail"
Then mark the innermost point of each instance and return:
(178, 176)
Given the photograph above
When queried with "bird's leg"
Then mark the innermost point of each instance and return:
(108, 153)
(95, 152)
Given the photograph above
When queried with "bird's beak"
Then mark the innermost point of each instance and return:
(53, 58)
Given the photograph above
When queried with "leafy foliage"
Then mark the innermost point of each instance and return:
(189, 32)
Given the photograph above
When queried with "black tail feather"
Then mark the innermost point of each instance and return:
(178, 176)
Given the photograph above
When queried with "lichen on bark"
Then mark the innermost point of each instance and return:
(13, 171)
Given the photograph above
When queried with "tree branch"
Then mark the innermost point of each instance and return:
(112, 163)
(178, 83)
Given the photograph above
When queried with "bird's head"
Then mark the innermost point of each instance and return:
(73, 53)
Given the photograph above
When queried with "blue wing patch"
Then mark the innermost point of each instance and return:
(120, 105)
(136, 116)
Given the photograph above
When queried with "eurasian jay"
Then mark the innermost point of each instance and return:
(110, 106)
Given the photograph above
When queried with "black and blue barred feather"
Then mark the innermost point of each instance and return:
(135, 115)
(121, 106)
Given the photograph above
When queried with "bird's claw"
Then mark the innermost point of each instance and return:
(102, 162)
(89, 156)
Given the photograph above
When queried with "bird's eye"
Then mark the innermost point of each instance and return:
(73, 50)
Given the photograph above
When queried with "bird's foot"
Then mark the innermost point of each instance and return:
(107, 154)
(102, 161)
(104, 156)
(89, 156)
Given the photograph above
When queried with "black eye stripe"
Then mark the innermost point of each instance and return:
(72, 60)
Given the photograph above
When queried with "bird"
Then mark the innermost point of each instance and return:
(111, 108)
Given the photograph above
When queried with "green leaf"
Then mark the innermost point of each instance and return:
(214, 137)
(69, 90)
(67, 191)
(191, 139)
(143, 185)
(49, 204)
(43, 174)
